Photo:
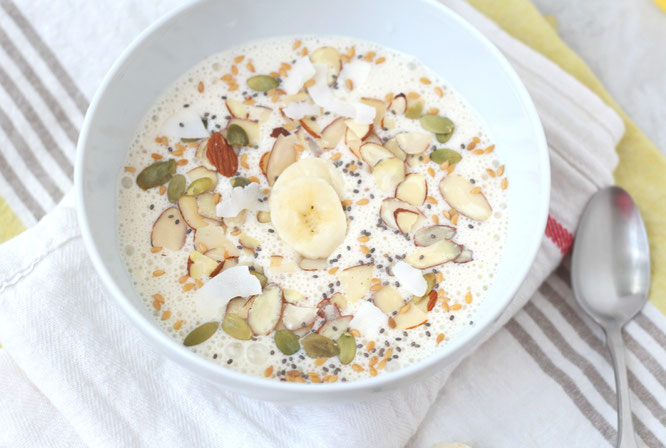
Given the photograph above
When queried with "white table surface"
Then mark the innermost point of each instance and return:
(624, 42)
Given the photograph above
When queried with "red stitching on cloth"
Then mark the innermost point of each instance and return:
(562, 238)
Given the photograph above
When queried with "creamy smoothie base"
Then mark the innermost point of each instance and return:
(372, 310)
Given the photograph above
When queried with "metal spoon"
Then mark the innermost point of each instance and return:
(610, 275)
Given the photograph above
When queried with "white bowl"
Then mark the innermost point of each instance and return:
(438, 37)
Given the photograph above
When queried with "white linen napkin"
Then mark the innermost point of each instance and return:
(74, 371)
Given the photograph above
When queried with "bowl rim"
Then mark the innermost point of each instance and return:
(219, 374)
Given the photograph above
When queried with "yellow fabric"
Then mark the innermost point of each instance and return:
(642, 169)
(10, 225)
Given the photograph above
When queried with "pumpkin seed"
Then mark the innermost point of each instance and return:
(430, 279)
(437, 124)
(240, 181)
(156, 174)
(443, 138)
(201, 185)
(237, 136)
(347, 346)
(236, 327)
(201, 334)
(262, 83)
(442, 155)
(176, 188)
(259, 273)
(318, 346)
(287, 342)
(415, 110)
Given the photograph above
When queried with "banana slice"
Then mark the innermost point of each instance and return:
(308, 215)
(313, 167)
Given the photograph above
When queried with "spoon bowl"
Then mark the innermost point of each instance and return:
(610, 276)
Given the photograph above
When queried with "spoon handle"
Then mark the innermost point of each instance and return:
(625, 424)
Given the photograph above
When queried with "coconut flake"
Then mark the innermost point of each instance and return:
(325, 97)
(239, 199)
(356, 71)
(296, 111)
(410, 278)
(212, 298)
(368, 320)
(186, 123)
(301, 71)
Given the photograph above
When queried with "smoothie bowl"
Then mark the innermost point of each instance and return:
(293, 213)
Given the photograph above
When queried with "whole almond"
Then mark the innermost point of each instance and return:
(221, 155)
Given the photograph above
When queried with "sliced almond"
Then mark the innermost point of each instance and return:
(295, 316)
(412, 318)
(327, 310)
(263, 162)
(308, 264)
(373, 153)
(199, 265)
(266, 310)
(201, 172)
(353, 142)
(239, 306)
(388, 299)
(413, 142)
(236, 108)
(405, 219)
(293, 296)
(206, 206)
(213, 237)
(333, 329)
(463, 196)
(248, 242)
(216, 254)
(311, 126)
(333, 133)
(432, 234)
(465, 256)
(360, 130)
(413, 189)
(281, 156)
(169, 230)
(388, 208)
(388, 174)
(189, 208)
(380, 108)
(398, 104)
(356, 281)
(200, 154)
(339, 300)
(392, 145)
(260, 114)
(433, 255)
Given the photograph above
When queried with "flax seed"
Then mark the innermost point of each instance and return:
(130, 169)
(468, 297)
(200, 87)
(156, 249)
(370, 346)
(435, 219)
(158, 272)
(349, 83)
(156, 156)
(333, 270)
(489, 149)
(336, 156)
(373, 361)
(354, 332)
(433, 110)
(373, 371)
(268, 372)
(331, 378)
(431, 200)
(198, 283)
(425, 81)
(456, 307)
(320, 361)
(166, 315)
(500, 171)
(490, 172)
(439, 91)
(431, 171)
(357, 367)
(239, 59)
(505, 183)
(380, 60)
(304, 51)
(250, 67)
(297, 43)
(314, 377)
(188, 286)
(363, 238)
(177, 325)
(243, 161)
(183, 279)
(347, 202)
(476, 190)
(363, 201)
(234, 70)
(365, 249)
(157, 305)
(253, 179)
(440, 337)
(454, 219)
(181, 162)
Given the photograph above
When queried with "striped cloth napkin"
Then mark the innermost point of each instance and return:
(72, 373)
